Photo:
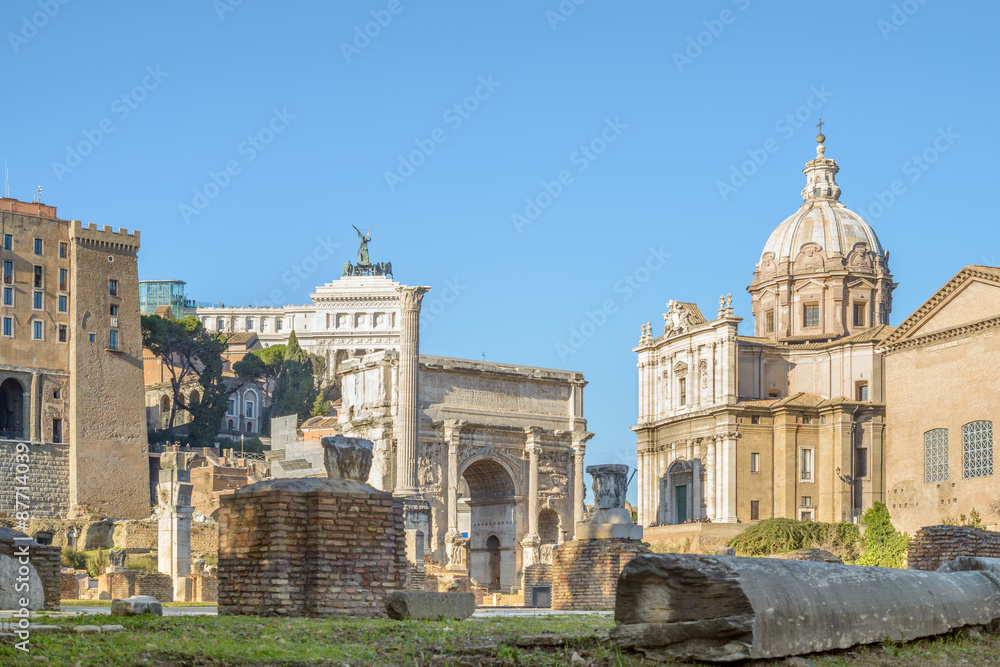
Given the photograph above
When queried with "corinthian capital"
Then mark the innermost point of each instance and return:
(410, 297)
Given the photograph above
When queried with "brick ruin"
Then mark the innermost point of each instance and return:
(44, 560)
(933, 546)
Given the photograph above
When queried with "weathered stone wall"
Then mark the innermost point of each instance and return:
(205, 588)
(295, 547)
(44, 559)
(691, 538)
(585, 572)
(90, 534)
(933, 546)
(48, 480)
(137, 582)
(143, 536)
(535, 575)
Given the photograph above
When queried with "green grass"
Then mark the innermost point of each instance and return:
(254, 642)
(107, 603)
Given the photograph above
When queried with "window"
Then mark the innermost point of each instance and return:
(249, 324)
(862, 391)
(221, 324)
(38, 246)
(39, 276)
(277, 325)
(63, 306)
(8, 327)
(249, 409)
(861, 462)
(62, 334)
(805, 515)
(806, 465)
(977, 449)
(37, 331)
(8, 272)
(232, 410)
(859, 315)
(807, 419)
(807, 501)
(63, 251)
(755, 419)
(769, 322)
(114, 310)
(113, 340)
(8, 241)
(936, 455)
(36, 301)
(230, 424)
(249, 427)
(93, 338)
(682, 391)
(810, 315)
(63, 275)
(57, 431)
(113, 287)
(755, 462)
(8, 296)
(755, 510)
(56, 394)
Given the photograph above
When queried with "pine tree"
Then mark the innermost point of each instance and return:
(296, 390)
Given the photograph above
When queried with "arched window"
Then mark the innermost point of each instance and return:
(977, 449)
(164, 411)
(249, 427)
(249, 404)
(936, 455)
(230, 424)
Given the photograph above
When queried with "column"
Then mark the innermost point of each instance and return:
(710, 478)
(640, 488)
(531, 541)
(580, 439)
(35, 431)
(454, 542)
(720, 476)
(696, 485)
(728, 508)
(409, 368)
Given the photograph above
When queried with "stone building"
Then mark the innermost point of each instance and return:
(943, 379)
(348, 318)
(70, 365)
(507, 441)
(789, 422)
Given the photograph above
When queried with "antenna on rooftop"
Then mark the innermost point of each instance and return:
(38, 195)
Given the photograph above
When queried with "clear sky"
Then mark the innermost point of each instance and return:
(245, 138)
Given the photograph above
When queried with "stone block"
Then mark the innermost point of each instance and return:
(426, 606)
(608, 531)
(135, 606)
(87, 629)
(183, 589)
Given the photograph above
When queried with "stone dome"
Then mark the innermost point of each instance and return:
(821, 219)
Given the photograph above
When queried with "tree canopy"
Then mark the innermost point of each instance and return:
(296, 387)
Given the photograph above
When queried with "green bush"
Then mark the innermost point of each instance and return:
(775, 536)
(147, 563)
(97, 562)
(882, 545)
(73, 558)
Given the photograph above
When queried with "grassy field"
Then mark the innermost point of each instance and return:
(253, 641)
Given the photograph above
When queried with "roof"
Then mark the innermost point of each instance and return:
(164, 312)
(319, 422)
(875, 334)
(801, 399)
(240, 337)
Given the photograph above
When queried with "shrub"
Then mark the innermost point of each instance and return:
(73, 558)
(882, 545)
(774, 536)
(97, 562)
(147, 563)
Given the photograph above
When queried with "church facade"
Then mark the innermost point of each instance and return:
(788, 422)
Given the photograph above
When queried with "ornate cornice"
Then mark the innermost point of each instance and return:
(943, 335)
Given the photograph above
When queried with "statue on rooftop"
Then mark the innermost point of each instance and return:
(363, 250)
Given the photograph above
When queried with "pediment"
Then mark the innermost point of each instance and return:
(862, 282)
(971, 296)
(809, 283)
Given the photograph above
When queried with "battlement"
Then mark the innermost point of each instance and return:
(120, 239)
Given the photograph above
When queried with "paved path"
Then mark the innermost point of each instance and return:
(481, 612)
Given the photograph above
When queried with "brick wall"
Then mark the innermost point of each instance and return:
(585, 572)
(69, 588)
(934, 545)
(137, 582)
(48, 480)
(45, 560)
(141, 536)
(536, 575)
(330, 549)
(205, 588)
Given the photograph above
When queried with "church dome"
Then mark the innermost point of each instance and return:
(821, 219)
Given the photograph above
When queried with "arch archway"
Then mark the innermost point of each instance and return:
(164, 411)
(548, 526)
(11, 409)
(493, 533)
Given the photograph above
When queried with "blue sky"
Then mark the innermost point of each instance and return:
(246, 138)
